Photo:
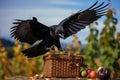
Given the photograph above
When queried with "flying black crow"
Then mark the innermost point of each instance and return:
(31, 30)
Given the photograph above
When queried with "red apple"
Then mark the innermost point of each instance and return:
(88, 71)
(92, 74)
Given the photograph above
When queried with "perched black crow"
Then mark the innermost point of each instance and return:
(31, 30)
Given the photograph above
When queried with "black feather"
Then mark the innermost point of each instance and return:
(93, 5)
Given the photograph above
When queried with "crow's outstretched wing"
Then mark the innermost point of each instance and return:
(29, 30)
(79, 20)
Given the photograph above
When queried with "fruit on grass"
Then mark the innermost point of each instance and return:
(104, 74)
(92, 74)
(84, 73)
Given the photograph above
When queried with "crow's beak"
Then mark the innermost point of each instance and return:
(61, 35)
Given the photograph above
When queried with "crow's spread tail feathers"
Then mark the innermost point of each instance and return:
(34, 51)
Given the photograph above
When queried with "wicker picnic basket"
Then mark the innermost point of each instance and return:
(62, 65)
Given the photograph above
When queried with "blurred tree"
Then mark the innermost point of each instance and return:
(109, 43)
(107, 47)
(76, 45)
(91, 48)
(5, 63)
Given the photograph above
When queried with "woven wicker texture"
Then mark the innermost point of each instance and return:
(62, 65)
